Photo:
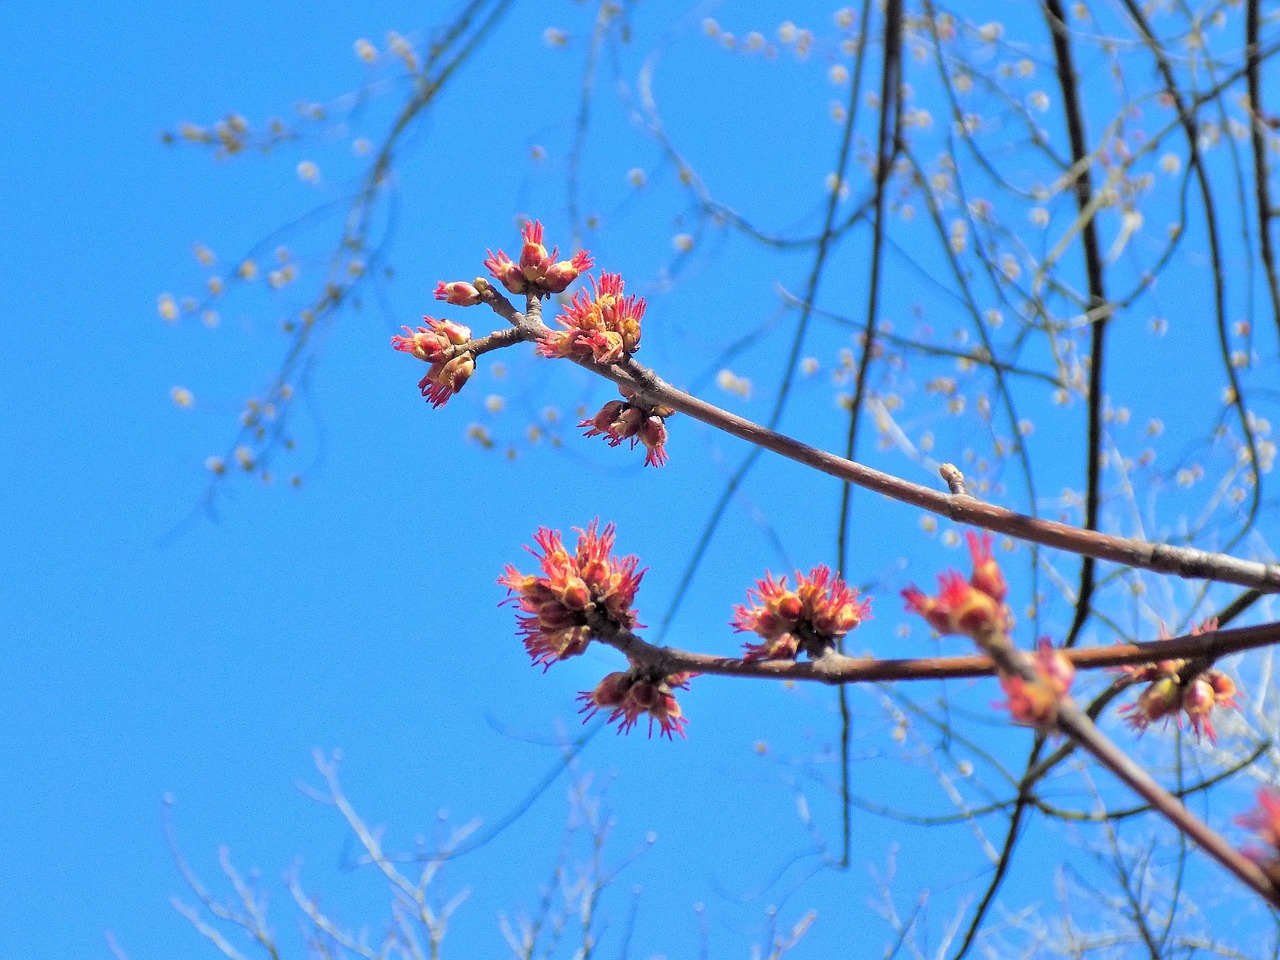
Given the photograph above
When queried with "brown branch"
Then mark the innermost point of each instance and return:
(1261, 169)
(1073, 722)
(1162, 558)
(835, 668)
(1185, 562)
(1081, 161)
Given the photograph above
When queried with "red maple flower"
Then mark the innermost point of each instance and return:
(537, 271)
(813, 617)
(434, 341)
(620, 420)
(1171, 692)
(1035, 702)
(654, 437)
(987, 575)
(608, 423)
(958, 608)
(1160, 700)
(631, 694)
(603, 325)
(445, 379)
(975, 606)
(556, 607)
(1265, 822)
(439, 343)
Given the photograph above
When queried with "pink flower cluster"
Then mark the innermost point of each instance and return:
(438, 344)
(603, 326)
(1173, 691)
(557, 605)
(975, 606)
(813, 617)
(1035, 702)
(630, 694)
(537, 272)
(620, 420)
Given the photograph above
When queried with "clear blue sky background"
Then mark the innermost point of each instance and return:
(153, 648)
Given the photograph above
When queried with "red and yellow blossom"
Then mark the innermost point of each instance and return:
(443, 380)
(812, 618)
(537, 272)
(987, 575)
(653, 434)
(1167, 696)
(958, 607)
(603, 325)
(609, 423)
(1176, 690)
(1035, 702)
(620, 420)
(630, 694)
(438, 344)
(975, 606)
(433, 342)
(556, 607)
(1265, 822)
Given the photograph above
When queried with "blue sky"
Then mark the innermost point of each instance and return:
(156, 648)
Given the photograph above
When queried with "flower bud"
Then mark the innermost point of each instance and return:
(457, 372)
(987, 575)
(654, 437)
(575, 594)
(459, 293)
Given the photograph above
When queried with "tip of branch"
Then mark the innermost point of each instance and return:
(954, 479)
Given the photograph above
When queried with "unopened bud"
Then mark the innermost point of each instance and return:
(459, 293)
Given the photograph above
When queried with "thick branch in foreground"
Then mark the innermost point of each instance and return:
(1074, 723)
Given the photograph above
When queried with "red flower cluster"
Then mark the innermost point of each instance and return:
(437, 344)
(537, 272)
(631, 693)
(1035, 702)
(620, 420)
(556, 605)
(603, 325)
(812, 617)
(975, 606)
(1169, 695)
(1265, 822)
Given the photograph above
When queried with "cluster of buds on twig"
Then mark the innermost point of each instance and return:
(629, 419)
(812, 618)
(629, 694)
(1265, 822)
(603, 326)
(583, 595)
(974, 607)
(1035, 702)
(438, 344)
(1179, 688)
(559, 604)
(537, 272)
